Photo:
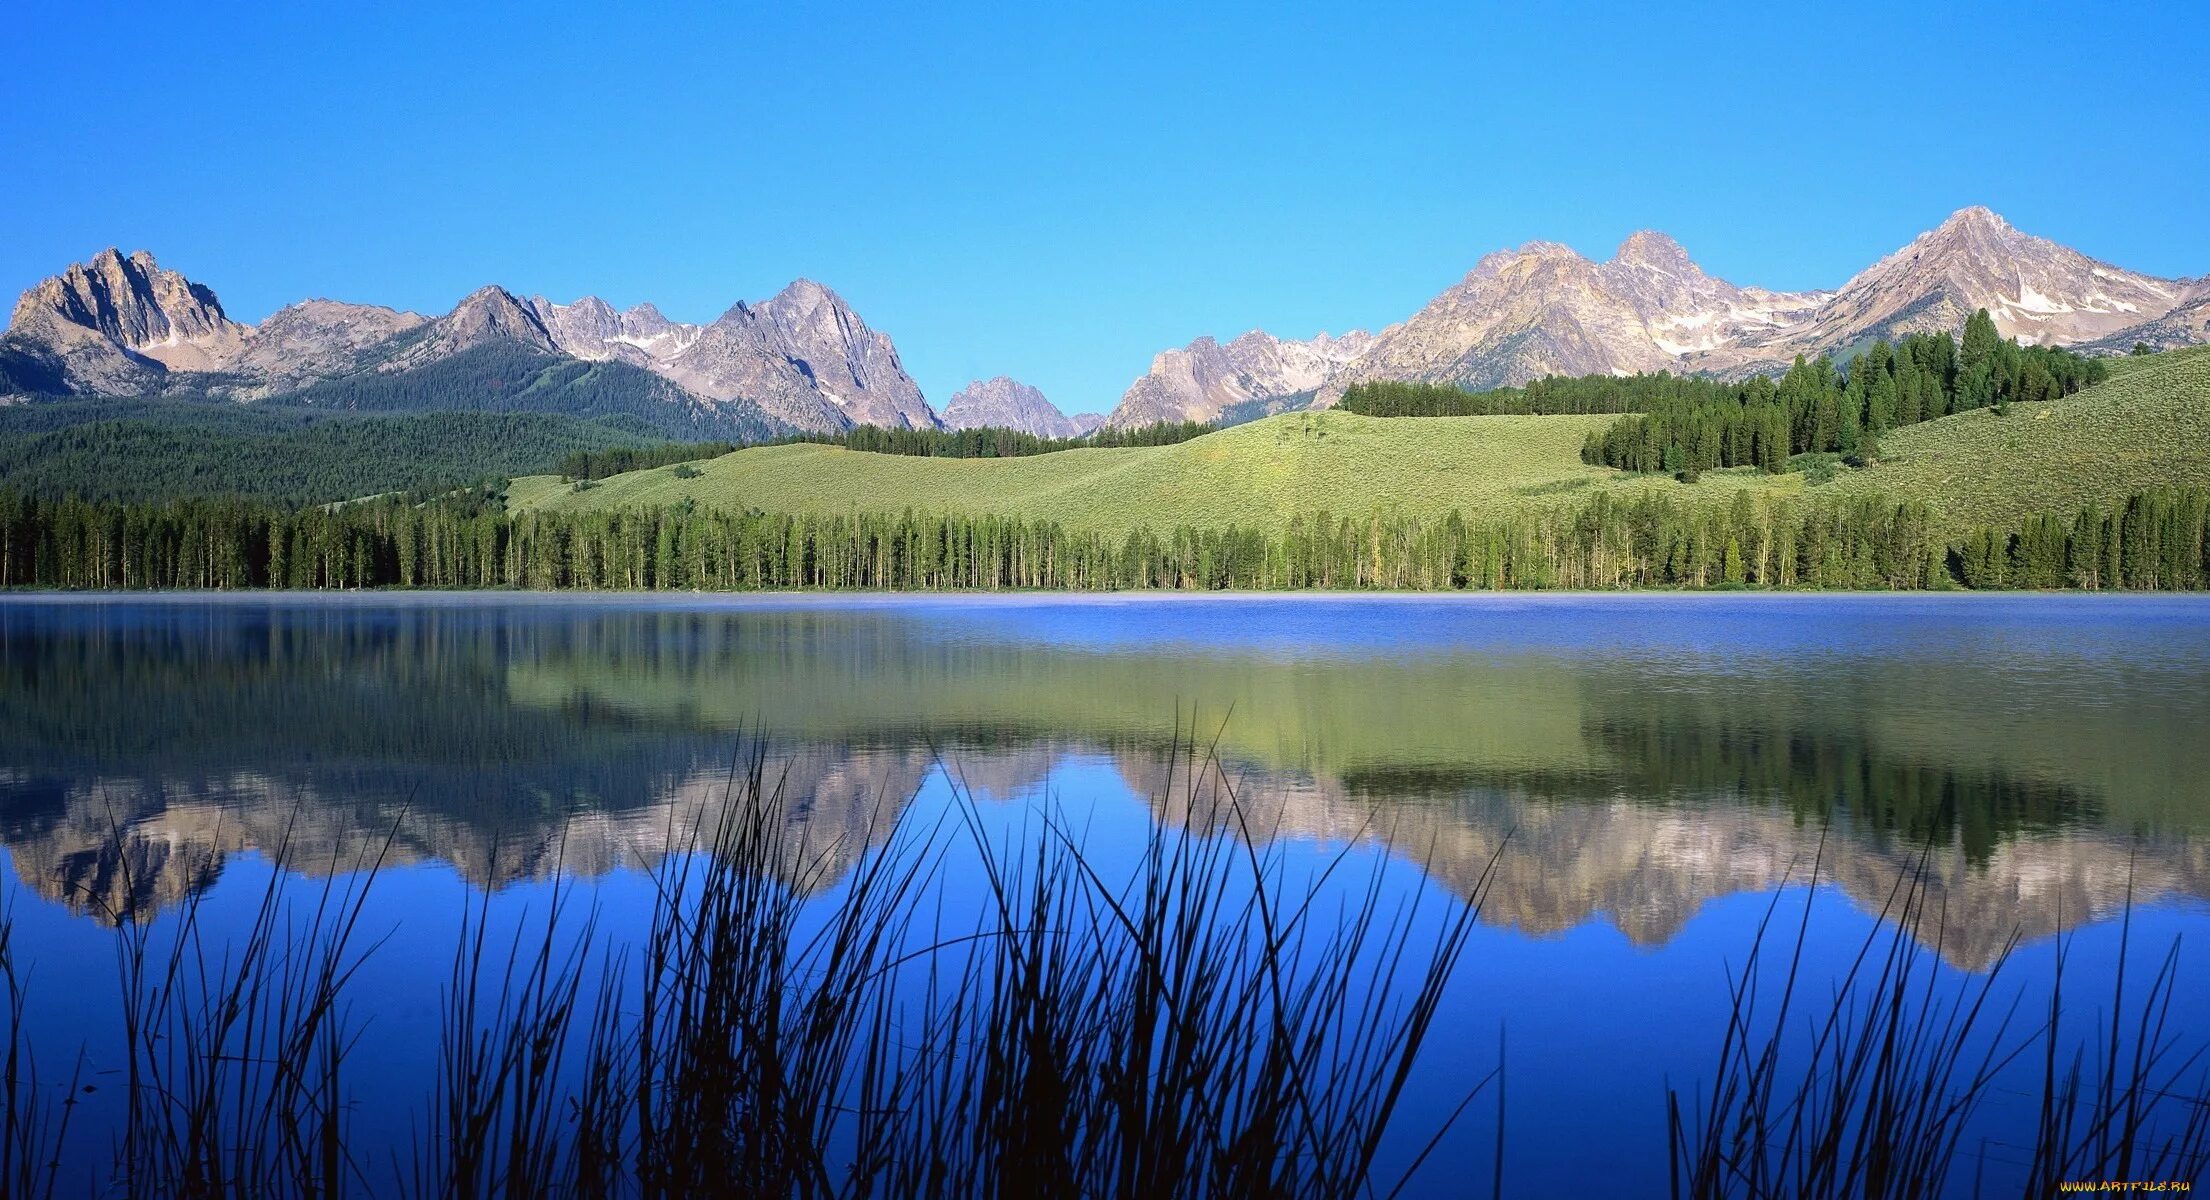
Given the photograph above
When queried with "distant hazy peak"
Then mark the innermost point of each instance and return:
(1004, 403)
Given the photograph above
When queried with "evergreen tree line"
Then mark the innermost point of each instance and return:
(1815, 408)
(871, 438)
(616, 460)
(286, 456)
(1554, 395)
(2154, 540)
(1689, 424)
(994, 442)
(984, 442)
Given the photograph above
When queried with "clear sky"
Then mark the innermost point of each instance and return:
(1058, 192)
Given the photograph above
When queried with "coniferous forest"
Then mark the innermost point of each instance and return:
(2153, 541)
(982, 442)
(1686, 424)
(1816, 409)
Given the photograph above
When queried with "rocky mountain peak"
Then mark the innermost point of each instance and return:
(809, 291)
(2037, 290)
(116, 323)
(493, 311)
(1004, 403)
(1541, 309)
(1540, 249)
(316, 339)
(1649, 248)
(590, 328)
(1973, 216)
(854, 367)
(489, 315)
(649, 316)
(589, 306)
(130, 301)
(1255, 372)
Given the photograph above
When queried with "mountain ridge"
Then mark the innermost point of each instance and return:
(120, 325)
(1546, 309)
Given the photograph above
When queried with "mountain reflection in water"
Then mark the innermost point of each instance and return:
(1624, 763)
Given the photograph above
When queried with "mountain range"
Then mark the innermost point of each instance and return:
(118, 326)
(1544, 309)
(123, 326)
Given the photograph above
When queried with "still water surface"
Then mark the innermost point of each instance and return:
(1643, 773)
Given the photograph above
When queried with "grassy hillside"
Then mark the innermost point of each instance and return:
(2149, 425)
(2145, 427)
(2126, 364)
(1261, 473)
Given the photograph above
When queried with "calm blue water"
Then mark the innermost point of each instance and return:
(1640, 776)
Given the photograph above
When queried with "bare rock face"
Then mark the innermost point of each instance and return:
(1087, 423)
(1205, 379)
(1545, 310)
(488, 315)
(736, 356)
(804, 356)
(2187, 325)
(2037, 291)
(853, 367)
(1003, 403)
(117, 325)
(123, 326)
(594, 330)
(120, 325)
(317, 339)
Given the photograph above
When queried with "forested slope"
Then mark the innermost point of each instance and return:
(159, 450)
(2143, 428)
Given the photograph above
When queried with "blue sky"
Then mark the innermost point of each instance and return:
(1058, 192)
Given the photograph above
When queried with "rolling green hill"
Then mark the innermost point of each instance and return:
(1261, 473)
(2148, 425)
(2144, 427)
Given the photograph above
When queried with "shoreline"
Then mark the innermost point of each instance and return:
(858, 598)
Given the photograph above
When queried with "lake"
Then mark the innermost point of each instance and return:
(1629, 785)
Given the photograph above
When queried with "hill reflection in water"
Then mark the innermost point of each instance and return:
(1630, 760)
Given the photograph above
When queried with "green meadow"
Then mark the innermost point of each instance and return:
(2148, 425)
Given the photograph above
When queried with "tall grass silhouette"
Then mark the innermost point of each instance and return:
(1213, 1019)
(1873, 1087)
(1194, 1026)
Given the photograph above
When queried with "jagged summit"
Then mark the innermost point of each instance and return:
(1545, 309)
(1542, 249)
(1005, 403)
(2037, 290)
(119, 325)
(1973, 215)
(1205, 379)
(1649, 248)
